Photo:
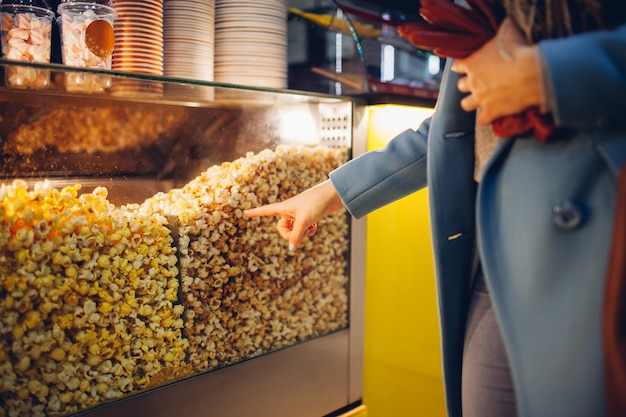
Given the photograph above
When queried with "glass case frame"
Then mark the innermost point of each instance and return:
(196, 125)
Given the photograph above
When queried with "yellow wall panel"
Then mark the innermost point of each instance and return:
(402, 350)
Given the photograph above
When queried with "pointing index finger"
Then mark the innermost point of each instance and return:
(266, 210)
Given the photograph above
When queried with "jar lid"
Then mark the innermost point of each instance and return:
(25, 6)
(102, 2)
(33, 3)
(105, 6)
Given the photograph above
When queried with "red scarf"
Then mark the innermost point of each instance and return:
(453, 31)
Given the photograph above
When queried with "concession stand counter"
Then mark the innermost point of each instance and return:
(132, 284)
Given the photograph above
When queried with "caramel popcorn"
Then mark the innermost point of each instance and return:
(244, 292)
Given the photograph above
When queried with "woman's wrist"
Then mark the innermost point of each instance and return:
(547, 104)
(528, 61)
(330, 196)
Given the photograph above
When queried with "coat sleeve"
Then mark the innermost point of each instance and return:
(380, 177)
(586, 75)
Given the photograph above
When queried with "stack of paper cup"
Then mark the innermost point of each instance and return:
(139, 36)
(251, 42)
(188, 39)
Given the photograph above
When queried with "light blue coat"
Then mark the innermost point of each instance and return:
(542, 216)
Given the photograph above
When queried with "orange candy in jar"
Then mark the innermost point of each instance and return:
(25, 35)
(87, 41)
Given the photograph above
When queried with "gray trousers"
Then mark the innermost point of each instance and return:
(487, 388)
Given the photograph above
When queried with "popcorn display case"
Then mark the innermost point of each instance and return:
(131, 282)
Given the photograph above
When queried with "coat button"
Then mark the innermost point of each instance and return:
(567, 215)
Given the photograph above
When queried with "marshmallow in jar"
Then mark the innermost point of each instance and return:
(87, 41)
(25, 35)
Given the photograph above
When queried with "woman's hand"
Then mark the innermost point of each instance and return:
(502, 78)
(299, 214)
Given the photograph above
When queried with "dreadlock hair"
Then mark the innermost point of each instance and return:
(546, 19)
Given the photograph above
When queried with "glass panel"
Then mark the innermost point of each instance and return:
(126, 262)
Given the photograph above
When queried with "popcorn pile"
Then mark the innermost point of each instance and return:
(98, 301)
(244, 292)
(92, 130)
(88, 295)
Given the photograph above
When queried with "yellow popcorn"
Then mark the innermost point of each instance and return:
(105, 308)
(32, 319)
(18, 331)
(57, 354)
(93, 360)
(145, 310)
